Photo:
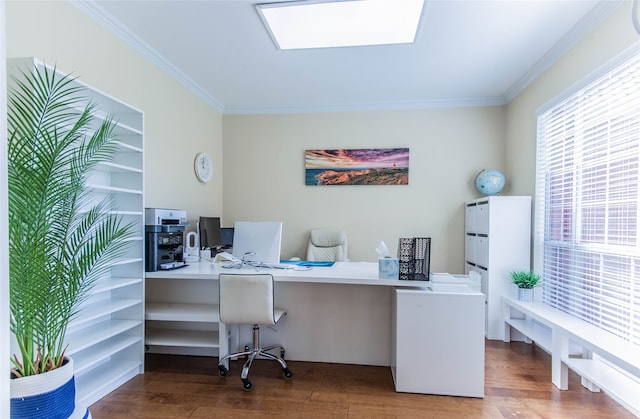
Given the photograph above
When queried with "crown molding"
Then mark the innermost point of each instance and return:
(594, 18)
(105, 19)
(373, 106)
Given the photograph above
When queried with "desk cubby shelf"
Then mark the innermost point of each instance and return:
(182, 312)
(182, 338)
(175, 315)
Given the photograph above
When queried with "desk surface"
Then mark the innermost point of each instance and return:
(357, 273)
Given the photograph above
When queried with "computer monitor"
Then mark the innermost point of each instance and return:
(257, 241)
(209, 232)
(226, 236)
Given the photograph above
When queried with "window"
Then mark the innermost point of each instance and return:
(587, 237)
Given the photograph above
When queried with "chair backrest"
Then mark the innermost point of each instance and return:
(247, 299)
(327, 244)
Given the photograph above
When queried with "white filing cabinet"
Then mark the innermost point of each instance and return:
(438, 343)
(497, 241)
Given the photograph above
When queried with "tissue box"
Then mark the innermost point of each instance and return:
(388, 268)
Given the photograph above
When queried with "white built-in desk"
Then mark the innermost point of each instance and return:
(344, 273)
(338, 314)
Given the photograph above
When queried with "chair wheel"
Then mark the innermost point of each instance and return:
(286, 372)
(246, 384)
(222, 371)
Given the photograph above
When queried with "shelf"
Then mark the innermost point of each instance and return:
(124, 129)
(617, 385)
(182, 312)
(107, 188)
(88, 359)
(95, 310)
(115, 283)
(126, 261)
(91, 387)
(128, 147)
(183, 338)
(99, 332)
(534, 331)
(114, 167)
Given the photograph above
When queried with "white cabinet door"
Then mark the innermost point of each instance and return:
(482, 251)
(482, 218)
(470, 219)
(470, 248)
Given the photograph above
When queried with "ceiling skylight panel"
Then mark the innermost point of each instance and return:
(325, 24)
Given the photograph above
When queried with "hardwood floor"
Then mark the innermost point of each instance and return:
(517, 385)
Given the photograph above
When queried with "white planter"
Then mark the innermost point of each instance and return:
(525, 295)
(46, 396)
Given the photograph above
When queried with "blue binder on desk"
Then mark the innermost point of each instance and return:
(308, 262)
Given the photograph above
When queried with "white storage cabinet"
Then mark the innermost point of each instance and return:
(438, 345)
(106, 338)
(497, 241)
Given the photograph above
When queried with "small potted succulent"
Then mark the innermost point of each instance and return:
(526, 281)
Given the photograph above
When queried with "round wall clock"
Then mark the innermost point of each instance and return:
(203, 166)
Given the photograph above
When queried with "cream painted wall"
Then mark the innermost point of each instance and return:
(177, 123)
(264, 176)
(613, 36)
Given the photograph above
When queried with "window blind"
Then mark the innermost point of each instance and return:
(587, 202)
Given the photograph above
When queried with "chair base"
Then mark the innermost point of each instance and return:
(251, 354)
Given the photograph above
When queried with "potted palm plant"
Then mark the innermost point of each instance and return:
(61, 238)
(526, 281)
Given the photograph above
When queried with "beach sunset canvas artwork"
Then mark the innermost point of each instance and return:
(365, 166)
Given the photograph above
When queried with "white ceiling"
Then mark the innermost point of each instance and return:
(467, 53)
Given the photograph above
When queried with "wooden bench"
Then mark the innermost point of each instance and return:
(604, 361)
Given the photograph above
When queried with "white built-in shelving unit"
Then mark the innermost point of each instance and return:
(106, 338)
(497, 241)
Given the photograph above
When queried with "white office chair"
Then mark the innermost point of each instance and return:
(327, 244)
(249, 299)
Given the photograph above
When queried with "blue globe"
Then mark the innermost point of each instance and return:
(490, 182)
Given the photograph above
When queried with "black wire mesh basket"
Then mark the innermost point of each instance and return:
(413, 258)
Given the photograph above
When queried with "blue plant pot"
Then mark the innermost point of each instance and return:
(46, 396)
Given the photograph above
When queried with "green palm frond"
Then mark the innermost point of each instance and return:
(61, 237)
